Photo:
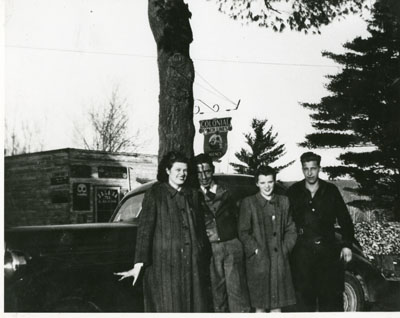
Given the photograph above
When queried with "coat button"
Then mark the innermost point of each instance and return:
(276, 249)
(274, 233)
(313, 210)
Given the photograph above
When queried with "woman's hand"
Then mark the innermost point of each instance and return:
(346, 254)
(134, 272)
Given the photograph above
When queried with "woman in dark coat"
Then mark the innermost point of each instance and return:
(268, 234)
(171, 242)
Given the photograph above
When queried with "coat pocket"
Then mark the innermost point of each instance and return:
(257, 263)
(251, 256)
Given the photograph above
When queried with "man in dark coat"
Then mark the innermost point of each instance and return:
(318, 259)
(228, 278)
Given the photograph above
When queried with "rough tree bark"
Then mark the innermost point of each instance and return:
(169, 22)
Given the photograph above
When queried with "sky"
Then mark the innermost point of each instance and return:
(64, 57)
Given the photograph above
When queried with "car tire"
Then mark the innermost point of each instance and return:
(353, 295)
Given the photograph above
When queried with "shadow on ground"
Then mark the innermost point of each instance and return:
(389, 300)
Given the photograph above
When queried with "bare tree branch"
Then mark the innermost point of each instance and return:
(23, 139)
(110, 127)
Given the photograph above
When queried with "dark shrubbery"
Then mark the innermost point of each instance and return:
(378, 238)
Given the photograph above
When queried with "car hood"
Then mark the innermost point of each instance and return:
(75, 244)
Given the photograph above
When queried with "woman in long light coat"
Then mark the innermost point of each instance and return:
(268, 234)
(171, 243)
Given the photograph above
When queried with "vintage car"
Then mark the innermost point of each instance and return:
(69, 268)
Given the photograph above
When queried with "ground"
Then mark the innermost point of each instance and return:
(390, 300)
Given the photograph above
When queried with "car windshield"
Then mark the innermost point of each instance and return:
(130, 208)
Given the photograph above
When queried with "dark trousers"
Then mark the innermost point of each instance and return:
(228, 277)
(318, 277)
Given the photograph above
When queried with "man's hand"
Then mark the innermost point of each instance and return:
(134, 272)
(346, 254)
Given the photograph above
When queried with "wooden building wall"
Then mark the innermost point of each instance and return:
(60, 186)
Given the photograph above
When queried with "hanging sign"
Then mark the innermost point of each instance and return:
(215, 136)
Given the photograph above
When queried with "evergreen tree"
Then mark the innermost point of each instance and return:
(363, 109)
(169, 22)
(264, 146)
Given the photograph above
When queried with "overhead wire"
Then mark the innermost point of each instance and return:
(77, 51)
(226, 98)
(214, 90)
(200, 85)
(265, 63)
(152, 56)
(206, 89)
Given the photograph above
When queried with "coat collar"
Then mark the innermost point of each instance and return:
(220, 197)
(221, 190)
(263, 201)
(216, 188)
(173, 192)
(321, 189)
(213, 188)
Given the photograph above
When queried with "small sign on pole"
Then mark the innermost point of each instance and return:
(215, 136)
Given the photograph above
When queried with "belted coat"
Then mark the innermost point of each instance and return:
(172, 243)
(267, 226)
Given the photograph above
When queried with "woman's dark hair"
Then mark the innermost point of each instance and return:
(265, 171)
(167, 162)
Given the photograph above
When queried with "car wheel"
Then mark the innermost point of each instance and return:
(353, 294)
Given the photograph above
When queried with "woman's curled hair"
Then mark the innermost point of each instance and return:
(167, 162)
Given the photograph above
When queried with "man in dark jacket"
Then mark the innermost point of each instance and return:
(228, 277)
(318, 259)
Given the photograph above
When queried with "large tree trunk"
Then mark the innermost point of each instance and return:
(169, 22)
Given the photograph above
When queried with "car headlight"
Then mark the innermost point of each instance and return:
(13, 261)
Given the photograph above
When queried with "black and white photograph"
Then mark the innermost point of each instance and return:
(201, 156)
